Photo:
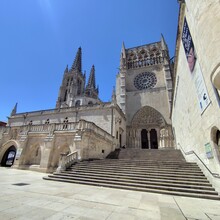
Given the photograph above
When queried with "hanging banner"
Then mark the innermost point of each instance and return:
(188, 46)
(201, 90)
(195, 68)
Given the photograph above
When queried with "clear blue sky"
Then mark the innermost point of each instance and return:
(38, 38)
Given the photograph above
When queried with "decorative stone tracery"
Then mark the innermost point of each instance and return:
(145, 80)
(149, 120)
(148, 116)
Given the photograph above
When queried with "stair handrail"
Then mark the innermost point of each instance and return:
(66, 160)
(215, 175)
(71, 158)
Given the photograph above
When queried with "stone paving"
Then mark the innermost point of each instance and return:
(40, 199)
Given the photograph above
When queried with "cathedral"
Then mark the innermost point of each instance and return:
(138, 115)
(158, 104)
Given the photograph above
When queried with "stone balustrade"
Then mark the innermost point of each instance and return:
(81, 125)
(145, 62)
(66, 160)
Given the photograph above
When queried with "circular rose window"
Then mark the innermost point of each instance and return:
(145, 80)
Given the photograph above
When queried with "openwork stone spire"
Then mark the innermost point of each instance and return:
(91, 82)
(14, 110)
(91, 90)
(77, 64)
(66, 70)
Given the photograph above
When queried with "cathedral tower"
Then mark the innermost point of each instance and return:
(72, 90)
(144, 93)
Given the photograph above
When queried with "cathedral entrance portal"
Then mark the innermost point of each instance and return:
(145, 128)
(149, 139)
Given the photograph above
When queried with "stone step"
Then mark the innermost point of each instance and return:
(157, 171)
(141, 168)
(150, 177)
(139, 162)
(155, 154)
(147, 172)
(156, 189)
(133, 179)
(142, 175)
(118, 163)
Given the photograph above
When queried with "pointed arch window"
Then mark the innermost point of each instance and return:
(79, 85)
(90, 103)
(65, 123)
(77, 104)
(65, 96)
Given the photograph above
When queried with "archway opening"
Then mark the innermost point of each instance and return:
(153, 139)
(217, 141)
(144, 139)
(9, 157)
(215, 137)
(145, 125)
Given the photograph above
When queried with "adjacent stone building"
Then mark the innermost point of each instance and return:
(196, 102)
(80, 123)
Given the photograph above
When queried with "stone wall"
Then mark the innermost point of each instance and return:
(101, 114)
(193, 128)
(39, 146)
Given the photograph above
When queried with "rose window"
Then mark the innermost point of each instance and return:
(145, 80)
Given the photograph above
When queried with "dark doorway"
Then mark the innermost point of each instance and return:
(9, 157)
(217, 142)
(153, 139)
(144, 139)
(218, 137)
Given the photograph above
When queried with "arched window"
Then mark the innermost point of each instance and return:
(47, 122)
(79, 87)
(77, 103)
(65, 96)
(30, 122)
(65, 123)
(90, 103)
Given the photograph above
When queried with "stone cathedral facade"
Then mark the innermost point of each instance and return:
(138, 115)
(144, 93)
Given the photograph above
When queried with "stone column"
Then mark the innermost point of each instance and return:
(148, 137)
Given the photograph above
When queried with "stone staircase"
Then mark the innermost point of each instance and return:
(156, 171)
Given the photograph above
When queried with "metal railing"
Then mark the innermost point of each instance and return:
(216, 175)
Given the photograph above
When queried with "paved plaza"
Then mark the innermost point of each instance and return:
(25, 195)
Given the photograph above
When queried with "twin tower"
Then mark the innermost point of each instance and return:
(73, 90)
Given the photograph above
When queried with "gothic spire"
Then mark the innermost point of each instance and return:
(163, 43)
(123, 56)
(113, 96)
(77, 64)
(66, 70)
(91, 82)
(123, 50)
(14, 110)
(91, 90)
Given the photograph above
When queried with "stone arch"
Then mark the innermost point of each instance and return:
(148, 116)
(215, 138)
(5, 150)
(149, 119)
